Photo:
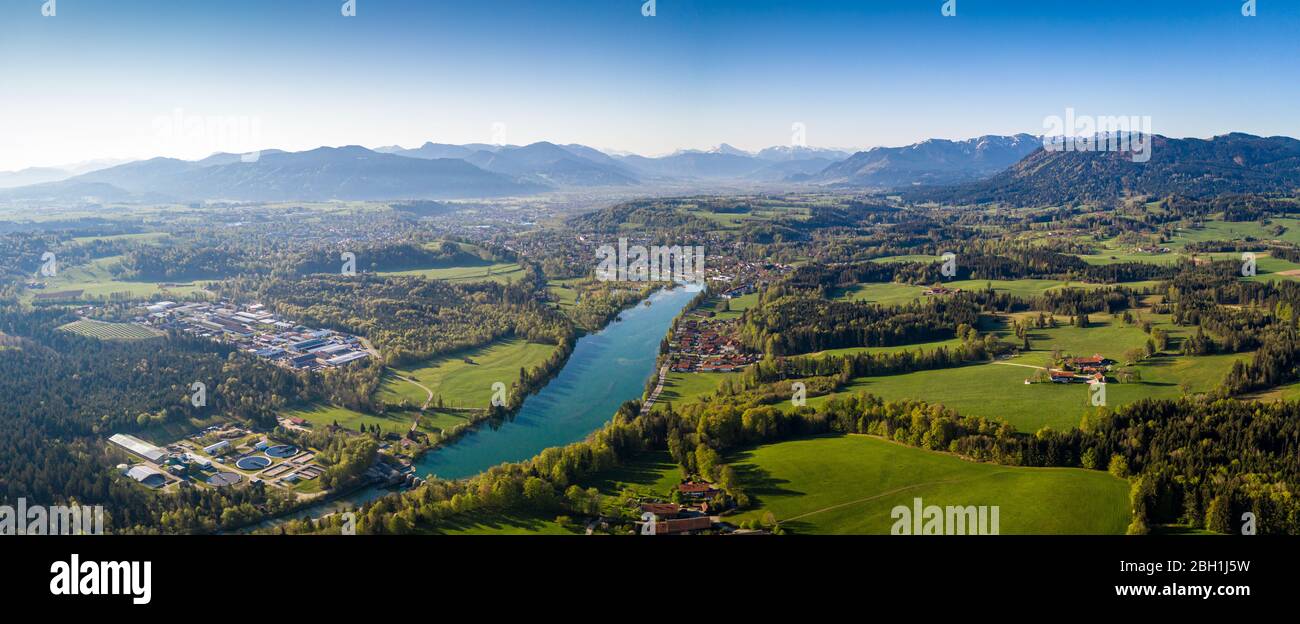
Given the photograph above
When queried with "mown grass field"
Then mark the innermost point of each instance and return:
(890, 293)
(687, 387)
(497, 523)
(142, 237)
(908, 258)
(497, 272)
(110, 331)
(735, 307)
(322, 415)
(653, 473)
(461, 383)
(96, 280)
(1113, 251)
(997, 390)
(850, 484)
(565, 294)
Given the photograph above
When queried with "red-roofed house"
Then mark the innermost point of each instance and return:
(697, 490)
(683, 525)
(662, 510)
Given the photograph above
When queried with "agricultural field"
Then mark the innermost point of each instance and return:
(849, 485)
(653, 473)
(997, 390)
(883, 293)
(735, 307)
(498, 523)
(500, 272)
(892, 293)
(110, 331)
(565, 294)
(1113, 251)
(907, 258)
(95, 279)
(322, 415)
(143, 237)
(464, 379)
(688, 387)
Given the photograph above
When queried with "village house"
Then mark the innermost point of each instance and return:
(1061, 376)
(696, 490)
(938, 290)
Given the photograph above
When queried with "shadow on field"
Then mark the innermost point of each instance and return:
(483, 521)
(646, 470)
(758, 482)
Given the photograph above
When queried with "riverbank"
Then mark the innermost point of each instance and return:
(604, 369)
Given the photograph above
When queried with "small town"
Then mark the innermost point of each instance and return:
(703, 345)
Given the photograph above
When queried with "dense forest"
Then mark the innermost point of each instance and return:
(64, 394)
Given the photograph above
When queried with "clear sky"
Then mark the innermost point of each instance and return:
(137, 78)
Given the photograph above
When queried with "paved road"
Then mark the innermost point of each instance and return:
(650, 402)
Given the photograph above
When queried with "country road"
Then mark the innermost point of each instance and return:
(421, 386)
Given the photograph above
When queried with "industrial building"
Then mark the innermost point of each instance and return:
(139, 447)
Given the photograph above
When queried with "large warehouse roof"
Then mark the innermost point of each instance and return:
(139, 447)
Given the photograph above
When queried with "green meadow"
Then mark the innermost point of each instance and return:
(565, 294)
(850, 484)
(96, 280)
(323, 415)
(997, 390)
(688, 387)
(464, 379)
(497, 272)
(892, 293)
(652, 473)
(500, 523)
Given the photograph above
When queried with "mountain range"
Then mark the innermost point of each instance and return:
(1230, 163)
(39, 175)
(936, 161)
(1010, 169)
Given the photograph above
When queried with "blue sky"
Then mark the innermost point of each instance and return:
(105, 78)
